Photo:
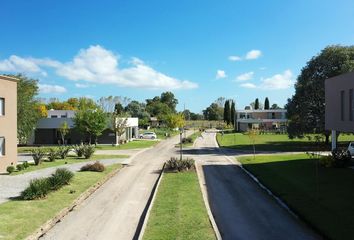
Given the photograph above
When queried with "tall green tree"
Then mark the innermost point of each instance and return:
(227, 112)
(233, 113)
(169, 99)
(27, 114)
(213, 112)
(91, 122)
(266, 103)
(306, 108)
(256, 104)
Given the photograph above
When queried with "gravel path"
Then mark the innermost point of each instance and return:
(12, 186)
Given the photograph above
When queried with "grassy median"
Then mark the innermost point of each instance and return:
(323, 197)
(179, 211)
(21, 218)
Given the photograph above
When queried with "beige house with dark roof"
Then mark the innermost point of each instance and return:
(8, 122)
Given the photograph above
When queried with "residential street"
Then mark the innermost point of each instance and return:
(242, 210)
(114, 210)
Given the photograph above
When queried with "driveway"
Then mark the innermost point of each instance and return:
(242, 210)
(114, 210)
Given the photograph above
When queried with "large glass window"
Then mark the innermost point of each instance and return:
(2, 146)
(342, 105)
(2, 106)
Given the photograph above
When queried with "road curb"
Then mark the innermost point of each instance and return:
(140, 232)
(206, 200)
(43, 229)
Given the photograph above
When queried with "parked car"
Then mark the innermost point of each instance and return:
(351, 148)
(148, 135)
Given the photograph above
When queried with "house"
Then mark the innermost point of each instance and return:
(8, 122)
(154, 122)
(47, 130)
(339, 110)
(270, 119)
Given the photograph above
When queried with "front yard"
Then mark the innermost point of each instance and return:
(21, 218)
(323, 197)
(179, 211)
(273, 142)
(136, 144)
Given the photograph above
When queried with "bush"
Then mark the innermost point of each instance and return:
(94, 167)
(79, 150)
(52, 154)
(10, 169)
(175, 164)
(63, 151)
(38, 188)
(25, 164)
(187, 140)
(20, 167)
(59, 178)
(341, 158)
(326, 161)
(37, 155)
(88, 151)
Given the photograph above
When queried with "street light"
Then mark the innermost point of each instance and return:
(180, 142)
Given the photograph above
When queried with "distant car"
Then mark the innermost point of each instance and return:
(148, 135)
(351, 148)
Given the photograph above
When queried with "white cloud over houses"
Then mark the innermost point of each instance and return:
(245, 77)
(45, 88)
(253, 54)
(220, 74)
(276, 82)
(99, 65)
(248, 85)
(235, 58)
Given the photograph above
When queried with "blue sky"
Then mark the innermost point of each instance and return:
(199, 50)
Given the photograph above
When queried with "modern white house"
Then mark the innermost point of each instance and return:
(270, 119)
(47, 130)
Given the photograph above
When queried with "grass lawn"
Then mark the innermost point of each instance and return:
(161, 132)
(194, 136)
(273, 142)
(130, 145)
(68, 160)
(326, 202)
(179, 211)
(21, 218)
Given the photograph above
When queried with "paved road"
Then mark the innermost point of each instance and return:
(114, 210)
(242, 210)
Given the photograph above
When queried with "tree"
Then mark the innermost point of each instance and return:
(64, 130)
(233, 113)
(213, 112)
(175, 120)
(27, 114)
(266, 103)
(91, 122)
(42, 110)
(118, 108)
(256, 104)
(275, 106)
(74, 102)
(253, 135)
(119, 125)
(169, 99)
(158, 109)
(227, 112)
(86, 103)
(306, 108)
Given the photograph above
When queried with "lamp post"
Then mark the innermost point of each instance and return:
(180, 142)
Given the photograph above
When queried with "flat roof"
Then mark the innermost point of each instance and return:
(8, 78)
(258, 110)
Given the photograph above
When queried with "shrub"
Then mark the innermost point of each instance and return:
(52, 154)
(20, 167)
(37, 155)
(63, 151)
(59, 178)
(25, 164)
(326, 161)
(94, 167)
(79, 150)
(88, 151)
(187, 140)
(10, 169)
(175, 164)
(341, 158)
(38, 188)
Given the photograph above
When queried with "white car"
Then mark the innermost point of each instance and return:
(148, 135)
(351, 148)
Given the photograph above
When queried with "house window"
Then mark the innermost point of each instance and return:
(63, 116)
(54, 116)
(2, 106)
(2, 146)
(351, 105)
(342, 105)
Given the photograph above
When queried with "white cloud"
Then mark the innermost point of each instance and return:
(248, 85)
(220, 74)
(235, 58)
(45, 88)
(278, 81)
(253, 54)
(99, 65)
(80, 85)
(245, 76)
